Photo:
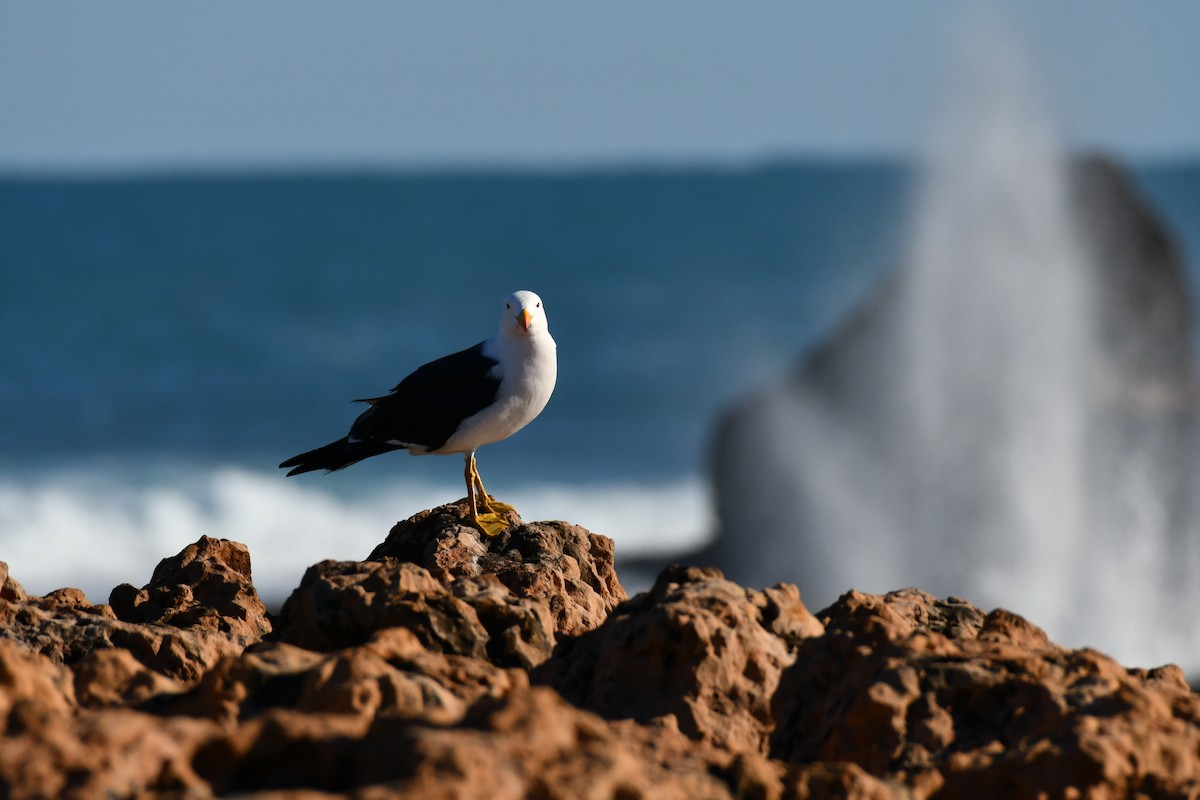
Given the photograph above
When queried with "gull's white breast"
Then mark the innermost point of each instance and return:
(529, 370)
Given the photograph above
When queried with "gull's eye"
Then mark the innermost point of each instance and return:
(539, 305)
(508, 305)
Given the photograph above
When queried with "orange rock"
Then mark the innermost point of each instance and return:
(394, 678)
(10, 590)
(568, 568)
(27, 677)
(199, 606)
(504, 598)
(343, 603)
(940, 697)
(113, 677)
(208, 585)
(696, 646)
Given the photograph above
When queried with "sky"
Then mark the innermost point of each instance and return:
(148, 84)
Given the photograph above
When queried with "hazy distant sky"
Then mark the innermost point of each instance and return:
(150, 84)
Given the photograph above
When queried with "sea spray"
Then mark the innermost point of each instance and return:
(997, 319)
(1010, 419)
(1011, 357)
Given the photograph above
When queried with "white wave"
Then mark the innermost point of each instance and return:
(94, 532)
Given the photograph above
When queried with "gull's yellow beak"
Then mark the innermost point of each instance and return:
(526, 319)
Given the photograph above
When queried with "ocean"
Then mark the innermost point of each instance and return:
(166, 341)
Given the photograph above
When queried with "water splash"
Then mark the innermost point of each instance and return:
(997, 316)
(1010, 420)
(1045, 493)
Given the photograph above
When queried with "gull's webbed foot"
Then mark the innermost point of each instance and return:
(495, 506)
(491, 523)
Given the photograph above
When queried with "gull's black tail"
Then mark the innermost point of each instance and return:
(336, 455)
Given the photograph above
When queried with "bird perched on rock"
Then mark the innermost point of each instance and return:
(457, 404)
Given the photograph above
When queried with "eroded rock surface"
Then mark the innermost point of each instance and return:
(198, 606)
(208, 586)
(564, 566)
(505, 598)
(73, 677)
(424, 673)
(529, 743)
(947, 699)
(696, 646)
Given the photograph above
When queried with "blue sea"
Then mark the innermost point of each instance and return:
(166, 341)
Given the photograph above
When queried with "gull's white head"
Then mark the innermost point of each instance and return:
(523, 315)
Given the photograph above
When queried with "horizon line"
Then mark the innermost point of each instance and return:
(549, 167)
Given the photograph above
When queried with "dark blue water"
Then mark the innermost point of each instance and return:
(165, 342)
(230, 319)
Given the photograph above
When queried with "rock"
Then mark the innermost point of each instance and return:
(533, 742)
(385, 680)
(1144, 295)
(944, 698)
(562, 565)
(696, 646)
(468, 679)
(171, 630)
(113, 677)
(527, 744)
(52, 748)
(504, 598)
(28, 678)
(393, 675)
(67, 635)
(110, 753)
(208, 585)
(10, 590)
(343, 604)
(363, 682)
(844, 780)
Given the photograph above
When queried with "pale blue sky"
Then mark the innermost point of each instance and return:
(154, 84)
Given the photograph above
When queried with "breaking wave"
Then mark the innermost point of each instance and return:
(94, 530)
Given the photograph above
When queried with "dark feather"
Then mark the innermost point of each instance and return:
(427, 407)
(424, 409)
(335, 455)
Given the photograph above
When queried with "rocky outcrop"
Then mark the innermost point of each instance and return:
(411, 675)
(197, 607)
(954, 702)
(562, 566)
(73, 676)
(208, 586)
(506, 598)
(695, 646)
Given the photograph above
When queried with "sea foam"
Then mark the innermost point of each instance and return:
(91, 531)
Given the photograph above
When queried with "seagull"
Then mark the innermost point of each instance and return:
(457, 404)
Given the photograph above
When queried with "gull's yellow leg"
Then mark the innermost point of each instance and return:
(469, 477)
(490, 502)
(490, 522)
